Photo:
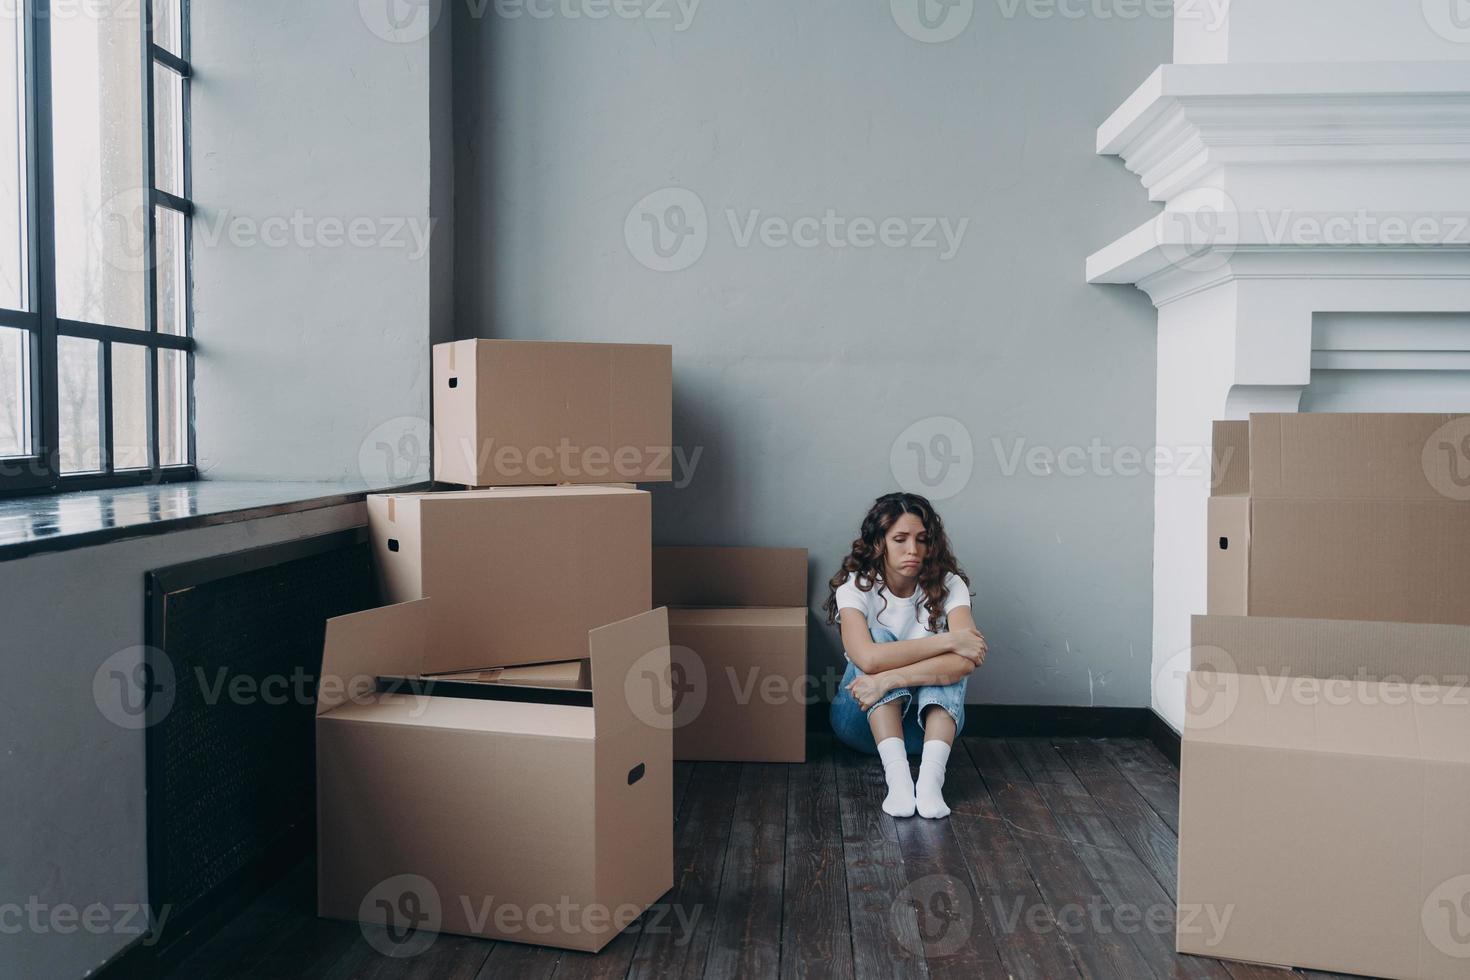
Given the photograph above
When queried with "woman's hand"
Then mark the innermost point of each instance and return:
(868, 689)
(970, 644)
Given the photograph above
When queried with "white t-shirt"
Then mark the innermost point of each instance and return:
(906, 619)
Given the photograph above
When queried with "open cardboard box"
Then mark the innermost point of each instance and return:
(1342, 516)
(531, 812)
(519, 574)
(737, 625)
(1325, 796)
(521, 412)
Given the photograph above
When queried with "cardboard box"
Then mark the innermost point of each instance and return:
(569, 674)
(1346, 517)
(520, 574)
(518, 413)
(737, 626)
(545, 823)
(1323, 803)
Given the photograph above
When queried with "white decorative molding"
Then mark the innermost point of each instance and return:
(1186, 121)
(1165, 260)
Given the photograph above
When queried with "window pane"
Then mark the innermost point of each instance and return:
(79, 405)
(170, 244)
(173, 408)
(13, 250)
(15, 392)
(101, 209)
(129, 407)
(166, 26)
(168, 130)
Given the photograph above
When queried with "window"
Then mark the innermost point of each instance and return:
(96, 345)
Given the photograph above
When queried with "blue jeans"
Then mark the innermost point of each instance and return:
(850, 721)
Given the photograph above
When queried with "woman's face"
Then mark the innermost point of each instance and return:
(905, 547)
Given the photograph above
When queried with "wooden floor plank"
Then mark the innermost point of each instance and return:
(957, 940)
(1150, 773)
(1069, 891)
(747, 933)
(514, 960)
(1132, 901)
(1007, 895)
(816, 933)
(1136, 820)
(677, 945)
(885, 931)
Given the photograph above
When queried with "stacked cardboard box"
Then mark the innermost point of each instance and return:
(1325, 781)
(1342, 517)
(737, 623)
(521, 412)
(492, 756)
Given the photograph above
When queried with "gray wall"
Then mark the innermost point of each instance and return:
(73, 801)
(797, 369)
(313, 337)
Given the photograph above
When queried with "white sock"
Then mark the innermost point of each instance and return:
(900, 799)
(928, 798)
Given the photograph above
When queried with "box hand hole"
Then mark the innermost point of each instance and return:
(1224, 544)
(392, 544)
(635, 774)
(454, 382)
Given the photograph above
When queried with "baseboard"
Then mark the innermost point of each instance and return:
(1036, 720)
(1164, 737)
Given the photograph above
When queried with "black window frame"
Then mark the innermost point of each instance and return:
(41, 471)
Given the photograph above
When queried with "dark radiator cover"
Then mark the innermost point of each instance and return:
(235, 645)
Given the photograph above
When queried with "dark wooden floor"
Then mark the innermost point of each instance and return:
(1057, 856)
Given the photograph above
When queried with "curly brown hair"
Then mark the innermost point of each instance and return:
(864, 563)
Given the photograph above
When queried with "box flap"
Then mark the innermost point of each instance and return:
(630, 672)
(684, 576)
(757, 618)
(1332, 716)
(1360, 455)
(360, 646)
(1230, 459)
(1409, 652)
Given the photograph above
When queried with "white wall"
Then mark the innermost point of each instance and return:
(73, 800)
(313, 268)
